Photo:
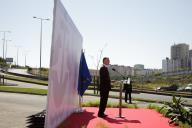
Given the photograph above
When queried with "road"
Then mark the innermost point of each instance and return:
(14, 108)
(160, 97)
(141, 95)
(19, 71)
(134, 95)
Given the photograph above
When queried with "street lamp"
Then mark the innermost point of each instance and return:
(4, 42)
(25, 54)
(6, 48)
(17, 46)
(41, 19)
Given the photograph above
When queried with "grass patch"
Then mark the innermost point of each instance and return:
(136, 99)
(116, 105)
(109, 104)
(182, 125)
(101, 125)
(157, 108)
(25, 79)
(23, 90)
(91, 104)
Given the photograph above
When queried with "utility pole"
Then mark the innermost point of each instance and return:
(6, 48)
(17, 46)
(25, 54)
(4, 34)
(41, 20)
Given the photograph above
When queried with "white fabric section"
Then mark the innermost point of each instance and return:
(62, 99)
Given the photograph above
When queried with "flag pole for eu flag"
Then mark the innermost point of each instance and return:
(84, 77)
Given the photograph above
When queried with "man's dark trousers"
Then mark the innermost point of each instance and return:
(103, 101)
(128, 93)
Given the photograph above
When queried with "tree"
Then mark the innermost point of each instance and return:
(2, 62)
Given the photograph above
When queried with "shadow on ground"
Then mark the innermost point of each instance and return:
(36, 120)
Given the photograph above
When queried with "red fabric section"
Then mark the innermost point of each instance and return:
(133, 118)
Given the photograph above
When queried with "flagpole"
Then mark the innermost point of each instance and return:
(84, 80)
(79, 109)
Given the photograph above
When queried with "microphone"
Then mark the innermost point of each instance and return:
(118, 73)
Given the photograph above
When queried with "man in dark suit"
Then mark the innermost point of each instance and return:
(105, 86)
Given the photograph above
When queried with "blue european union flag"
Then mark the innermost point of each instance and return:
(84, 76)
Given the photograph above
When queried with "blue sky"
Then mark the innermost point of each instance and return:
(129, 31)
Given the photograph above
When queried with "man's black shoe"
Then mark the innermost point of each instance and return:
(102, 116)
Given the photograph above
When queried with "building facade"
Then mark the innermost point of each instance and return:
(181, 59)
(131, 71)
(139, 66)
(180, 54)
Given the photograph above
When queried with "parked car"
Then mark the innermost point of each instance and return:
(188, 88)
(173, 87)
(181, 88)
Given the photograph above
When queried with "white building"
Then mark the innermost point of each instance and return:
(167, 65)
(130, 71)
(121, 70)
(139, 66)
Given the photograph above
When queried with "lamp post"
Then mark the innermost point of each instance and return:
(17, 46)
(6, 48)
(25, 54)
(41, 20)
(4, 42)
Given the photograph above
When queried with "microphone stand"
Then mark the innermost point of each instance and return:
(119, 73)
(120, 95)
